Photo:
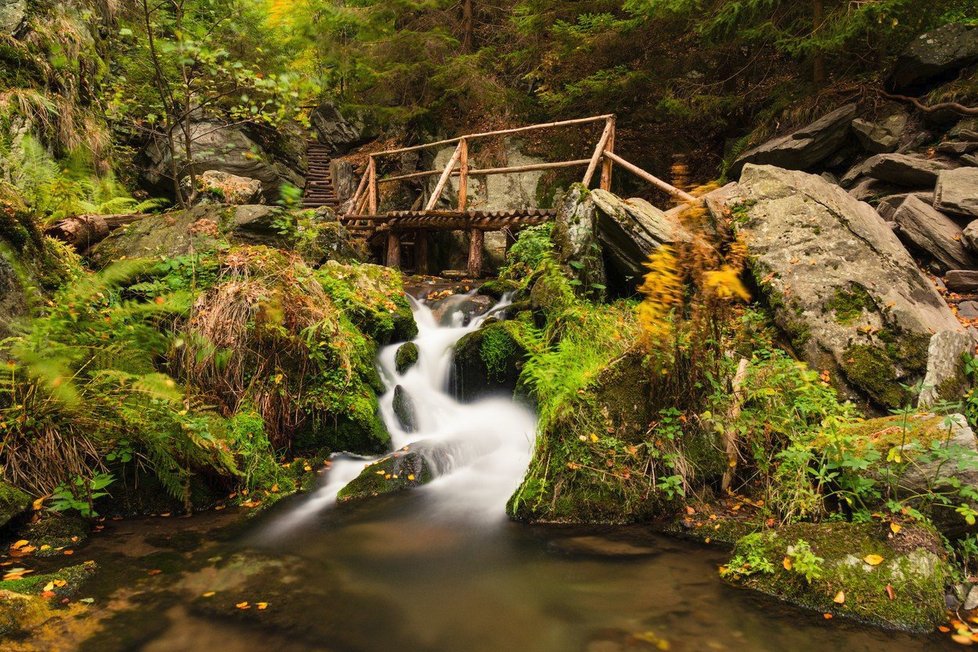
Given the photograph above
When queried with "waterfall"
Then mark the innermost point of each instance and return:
(500, 430)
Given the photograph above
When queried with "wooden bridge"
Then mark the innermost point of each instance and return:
(396, 228)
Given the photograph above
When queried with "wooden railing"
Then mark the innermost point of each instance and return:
(366, 199)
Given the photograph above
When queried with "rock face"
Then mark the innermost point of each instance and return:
(335, 131)
(631, 229)
(804, 148)
(576, 236)
(901, 169)
(13, 501)
(935, 57)
(913, 564)
(487, 362)
(12, 15)
(962, 280)
(842, 286)
(933, 232)
(957, 192)
(224, 149)
(882, 136)
(224, 188)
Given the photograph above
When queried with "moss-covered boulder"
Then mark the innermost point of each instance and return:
(406, 357)
(55, 532)
(13, 502)
(860, 571)
(606, 454)
(63, 583)
(412, 466)
(404, 410)
(843, 288)
(373, 298)
(498, 288)
(487, 362)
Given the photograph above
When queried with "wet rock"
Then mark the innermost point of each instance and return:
(53, 533)
(412, 466)
(599, 546)
(935, 57)
(933, 232)
(914, 566)
(804, 148)
(901, 169)
(844, 289)
(13, 502)
(631, 229)
(487, 362)
(962, 281)
(498, 288)
(957, 192)
(882, 136)
(223, 188)
(407, 356)
(404, 410)
(575, 235)
(461, 309)
(65, 583)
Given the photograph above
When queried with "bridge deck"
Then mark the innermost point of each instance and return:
(436, 220)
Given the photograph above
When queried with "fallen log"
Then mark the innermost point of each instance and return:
(84, 231)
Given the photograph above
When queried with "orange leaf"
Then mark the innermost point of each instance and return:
(243, 605)
(786, 563)
(960, 639)
(890, 593)
(895, 528)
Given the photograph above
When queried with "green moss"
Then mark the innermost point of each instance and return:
(55, 532)
(407, 356)
(13, 501)
(849, 304)
(500, 352)
(73, 576)
(913, 566)
(871, 369)
(399, 471)
(497, 288)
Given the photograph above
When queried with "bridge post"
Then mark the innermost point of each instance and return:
(463, 177)
(608, 166)
(372, 189)
(477, 239)
(422, 240)
(393, 249)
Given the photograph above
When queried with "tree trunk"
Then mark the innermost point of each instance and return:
(468, 25)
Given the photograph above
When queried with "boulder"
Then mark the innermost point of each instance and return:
(962, 281)
(966, 130)
(575, 235)
(225, 188)
(933, 232)
(872, 190)
(956, 148)
(335, 131)
(404, 410)
(487, 362)
(881, 136)
(901, 169)
(13, 502)
(461, 309)
(970, 237)
(911, 566)
(935, 57)
(842, 286)
(406, 357)
(631, 229)
(804, 148)
(345, 181)
(413, 466)
(221, 148)
(887, 206)
(13, 13)
(957, 192)
(946, 376)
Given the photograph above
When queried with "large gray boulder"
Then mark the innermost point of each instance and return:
(12, 16)
(936, 56)
(576, 236)
(883, 135)
(221, 148)
(336, 131)
(631, 229)
(901, 169)
(934, 232)
(842, 286)
(957, 192)
(805, 148)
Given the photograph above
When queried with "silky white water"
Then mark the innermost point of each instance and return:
(500, 430)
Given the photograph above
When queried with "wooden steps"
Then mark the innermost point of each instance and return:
(319, 190)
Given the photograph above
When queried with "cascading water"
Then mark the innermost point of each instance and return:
(498, 432)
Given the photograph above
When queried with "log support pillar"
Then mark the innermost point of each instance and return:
(423, 240)
(476, 240)
(394, 250)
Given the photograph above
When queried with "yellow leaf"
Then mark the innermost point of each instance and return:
(786, 563)
(209, 594)
(262, 606)
(60, 583)
(895, 528)
(243, 605)
(840, 597)
(20, 544)
(873, 560)
(411, 477)
(49, 586)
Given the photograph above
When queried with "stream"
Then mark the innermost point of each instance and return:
(438, 568)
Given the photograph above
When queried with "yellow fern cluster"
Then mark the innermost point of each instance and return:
(663, 291)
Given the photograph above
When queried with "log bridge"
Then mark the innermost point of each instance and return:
(395, 228)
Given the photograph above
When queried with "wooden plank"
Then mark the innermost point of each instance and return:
(655, 181)
(372, 189)
(598, 152)
(443, 181)
(501, 132)
(476, 240)
(393, 250)
(355, 202)
(608, 167)
(463, 177)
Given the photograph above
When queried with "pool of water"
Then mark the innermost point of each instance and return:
(388, 575)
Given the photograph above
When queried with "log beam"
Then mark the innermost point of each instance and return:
(476, 240)
(393, 249)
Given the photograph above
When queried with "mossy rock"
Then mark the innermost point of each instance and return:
(13, 502)
(913, 566)
(404, 409)
(498, 288)
(488, 362)
(358, 431)
(407, 356)
(406, 469)
(66, 583)
(55, 532)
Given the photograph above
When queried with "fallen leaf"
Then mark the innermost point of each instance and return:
(243, 605)
(262, 606)
(155, 571)
(840, 597)
(873, 560)
(60, 583)
(961, 639)
(69, 552)
(49, 587)
(411, 477)
(944, 629)
(890, 593)
(895, 528)
(827, 616)
(209, 594)
(786, 563)
(19, 544)
(47, 594)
